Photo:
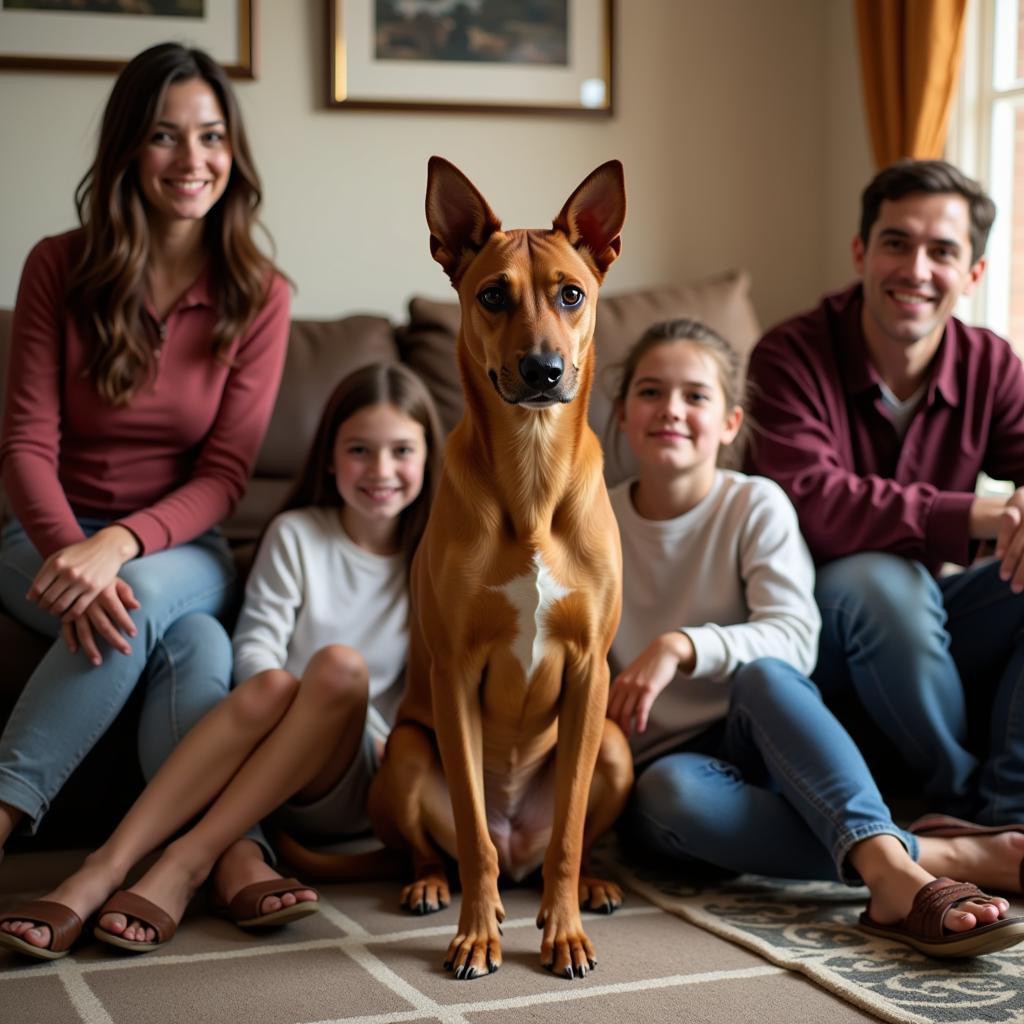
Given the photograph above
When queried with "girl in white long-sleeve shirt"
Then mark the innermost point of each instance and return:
(320, 644)
(740, 763)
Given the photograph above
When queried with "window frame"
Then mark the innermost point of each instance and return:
(977, 148)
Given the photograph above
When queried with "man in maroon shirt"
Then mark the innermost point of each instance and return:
(876, 411)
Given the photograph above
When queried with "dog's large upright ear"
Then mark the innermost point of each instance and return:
(593, 215)
(459, 218)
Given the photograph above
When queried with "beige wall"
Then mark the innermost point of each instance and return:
(848, 161)
(738, 122)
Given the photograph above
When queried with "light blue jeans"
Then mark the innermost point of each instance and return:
(784, 791)
(181, 654)
(919, 653)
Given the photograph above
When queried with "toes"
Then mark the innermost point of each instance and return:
(116, 924)
(270, 904)
(138, 931)
(986, 911)
(959, 921)
(37, 936)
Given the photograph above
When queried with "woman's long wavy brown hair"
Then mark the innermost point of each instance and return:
(107, 285)
(376, 384)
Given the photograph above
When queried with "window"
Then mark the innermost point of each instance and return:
(987, 141)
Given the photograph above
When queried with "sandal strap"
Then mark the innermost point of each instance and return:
(933, 900)
(133, 905)
(246, 902)
(64, 924)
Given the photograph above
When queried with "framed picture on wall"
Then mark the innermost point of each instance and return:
(103, 35)
(524, 56)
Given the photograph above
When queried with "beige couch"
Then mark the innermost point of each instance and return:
(320, 353)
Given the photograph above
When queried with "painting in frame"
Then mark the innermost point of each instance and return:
(103, 35)
(521, 56)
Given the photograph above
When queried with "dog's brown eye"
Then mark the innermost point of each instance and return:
(492, 298)
(571, 295)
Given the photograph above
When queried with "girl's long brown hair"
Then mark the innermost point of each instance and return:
(377, 384)
(107, 285)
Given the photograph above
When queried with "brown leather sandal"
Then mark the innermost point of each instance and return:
(138, 907)
(922, 928)
(64, 924)
(244, 908)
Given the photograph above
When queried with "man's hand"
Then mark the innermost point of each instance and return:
(71, 579)
(107, 617)
(1003, 522)
(635, 688)
(1010, 541)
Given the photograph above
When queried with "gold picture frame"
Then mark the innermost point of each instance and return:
(103, 41)
(367, 70)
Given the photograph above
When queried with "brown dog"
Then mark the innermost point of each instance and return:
(515, 589)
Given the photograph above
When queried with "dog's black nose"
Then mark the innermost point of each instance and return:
(541, 370)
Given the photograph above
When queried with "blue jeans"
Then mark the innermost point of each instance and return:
(181, 654)
(916, 651)
(786, 793)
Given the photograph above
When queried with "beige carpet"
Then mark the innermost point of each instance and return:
(364, 961)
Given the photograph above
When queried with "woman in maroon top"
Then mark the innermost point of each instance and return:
(146, 352)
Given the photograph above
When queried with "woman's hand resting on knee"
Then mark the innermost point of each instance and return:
(80, 585)
(107, 616)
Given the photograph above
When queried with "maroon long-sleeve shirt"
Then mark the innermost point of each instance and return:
(821, 431)
(169, 465)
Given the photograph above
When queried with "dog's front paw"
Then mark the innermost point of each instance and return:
(476, 950)
(599, 895)
(565, 949)
(426, 894)
(472, 956)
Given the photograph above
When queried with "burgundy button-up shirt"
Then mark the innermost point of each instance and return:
(821, 431)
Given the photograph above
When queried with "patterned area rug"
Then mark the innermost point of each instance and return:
(810, 927)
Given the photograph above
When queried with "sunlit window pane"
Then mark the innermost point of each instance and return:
(1007, 53)
(1015, 216)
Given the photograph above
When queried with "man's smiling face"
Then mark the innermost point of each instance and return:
(915, 266)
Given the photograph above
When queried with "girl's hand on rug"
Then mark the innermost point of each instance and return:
(636, 687)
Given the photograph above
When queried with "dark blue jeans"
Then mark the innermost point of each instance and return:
(787, 795)
(918, 652)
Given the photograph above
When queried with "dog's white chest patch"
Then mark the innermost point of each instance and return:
(531, 595)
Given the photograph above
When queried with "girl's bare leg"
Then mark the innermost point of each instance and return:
(894, 879)
(198, 769)
(311, 747)
(243, 864)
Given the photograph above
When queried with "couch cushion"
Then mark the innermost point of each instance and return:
(320, 354)
(427, 345)
(722, 302)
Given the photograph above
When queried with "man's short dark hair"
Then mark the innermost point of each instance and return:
(906, 177)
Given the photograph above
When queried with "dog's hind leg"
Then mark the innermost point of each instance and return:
(609, 792)
(409, 808)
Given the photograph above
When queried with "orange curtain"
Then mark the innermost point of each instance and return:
(910, 61)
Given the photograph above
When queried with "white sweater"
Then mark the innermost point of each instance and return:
(311, 586)
(735, 572)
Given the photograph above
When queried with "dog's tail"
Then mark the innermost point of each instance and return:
(327, 866)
